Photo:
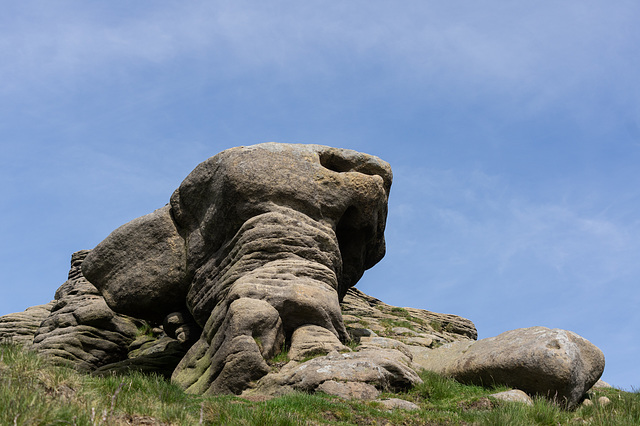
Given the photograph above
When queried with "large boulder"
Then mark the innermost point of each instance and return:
(557, 364)
(141, 268)
(255, 243)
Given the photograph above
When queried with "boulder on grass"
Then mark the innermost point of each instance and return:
(557, 364)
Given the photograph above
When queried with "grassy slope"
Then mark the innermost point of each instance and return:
(34, 393)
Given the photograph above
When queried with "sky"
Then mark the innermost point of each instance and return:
(513, 131)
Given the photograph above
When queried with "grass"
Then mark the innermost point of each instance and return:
(35, 393)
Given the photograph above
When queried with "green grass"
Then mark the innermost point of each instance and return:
(35, 393)
(389, 323)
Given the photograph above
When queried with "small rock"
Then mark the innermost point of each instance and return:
(397, 404)
(357, 333)
(601, 384)
(514, 395)
(603, 400)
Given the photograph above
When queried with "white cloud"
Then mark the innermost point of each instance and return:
(497, 231)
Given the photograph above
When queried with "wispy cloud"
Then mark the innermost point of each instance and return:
(497, 231)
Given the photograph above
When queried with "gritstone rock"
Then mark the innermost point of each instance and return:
(256, 242)
(257, 251)
(81, 329)
(553, 363)
(384, 369)
(20, 327)
(513, 395)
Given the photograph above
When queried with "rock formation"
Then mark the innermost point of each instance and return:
(256, 253)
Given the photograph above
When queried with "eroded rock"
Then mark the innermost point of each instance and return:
(81, 329)
(311, 340)
(553, 363)
(291, 227)
(20, 327)
(385, 369)
(364, 314)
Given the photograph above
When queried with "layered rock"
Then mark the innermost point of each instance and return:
(81, 329)
(20, 327)
(380, 369)
(364, 315)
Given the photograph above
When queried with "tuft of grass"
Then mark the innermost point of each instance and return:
(363, 323)
(145, 329)
(436, 325)
(389, 324)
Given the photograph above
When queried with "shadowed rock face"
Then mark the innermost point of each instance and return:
(256, 242)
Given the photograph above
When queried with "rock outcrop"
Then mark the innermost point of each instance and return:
(256, 242)
(367, 316)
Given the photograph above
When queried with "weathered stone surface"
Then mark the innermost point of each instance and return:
(20, 327)
(310, 340)
(513, 395)
(182, 327)
(148, 355)
(294, 226)
(384, 343)
(141, 267)
(251, 332)
(408, 325)
(439, 360)
(385, 369)
(81, 329)
(349, 390)
(397, 404)
(554, 363)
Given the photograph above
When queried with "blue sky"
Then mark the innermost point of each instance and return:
(513, 129)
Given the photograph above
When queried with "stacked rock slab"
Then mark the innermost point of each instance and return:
(20, 327)
(365, 316)
(81, 329)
